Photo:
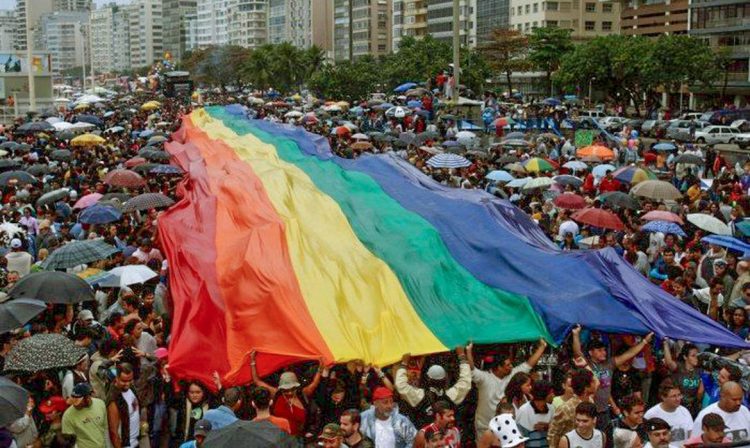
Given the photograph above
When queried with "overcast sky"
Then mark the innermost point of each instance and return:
(10, 4)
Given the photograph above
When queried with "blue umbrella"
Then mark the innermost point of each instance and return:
(414, 104)
(566, 179)
(447, 160)
(384, 106)
(663, 227)
(146, 134)
(99, 214)
(500, 176)
(552, 102)
(357, 110)
(404, 87)
(665, 146)
(601, 170)
(166, 169)
(729, 242)
(93, 119)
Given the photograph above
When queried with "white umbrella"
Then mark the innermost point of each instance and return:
(128, 275)
(709, 223)
(448, 160)
(575, 165)
(115, 130)
(538, 182)
(465, 135)
(360, 136)
(53, 120)
(62, 126)
(293, 114)
(518, 183)
(601, 170)
(90, 99)
(80, 125)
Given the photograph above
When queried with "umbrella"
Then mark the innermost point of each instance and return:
(499, 176)
(666, 146)
(66, 135)
(16, 313)
(114, 130)
(13, 402)
(515, 167)
(52, 287)
(575, 165)
(506, 159)
(688, 159)
(128, 275)
(514, 142)
(88, 200)
(43, 351)
(620, 200)
(656, 189)
(157, 155)
(536, 164)
(36, 126)
(404, 87)
(709, 223)
(662, 215)
(448, 161)
(570, 201)
(503, 121)
(465, 135)
(566, 179)
(166, 169)
(87, 140)
(729, 242)
(515, 135)
(518, 183)
(601, 170)
(16, 177)
(91, 119)
(135, 161)
(360, 136)
(38, 169)
(407, 137)
(414, 104)
(597, 217)
(744, 227)
(122, 197)
(602, 152)
(147, 201)
(633, 174)
(156, 139)
(99, 214)
(261, 434)
(397, 112)
(539, 182)
(144, 168)
(591, 159)
(663, 227)
(53, 196)
(76, 253)
(361, 146)
(552, 102)
(427, 135)
(124, 178)
(61, 154)
(151, 105)
(9, 163)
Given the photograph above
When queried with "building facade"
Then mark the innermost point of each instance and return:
(72, 5)
(177, 14)
(65, 35)
(303, 23)
(110, 39)
(361, 27)
(231, 22)
(211, 25)
(440, 21)
(7, 30)
(35, 10)
(585, 18)
(654, 17)
(491, 14)
(146, 32)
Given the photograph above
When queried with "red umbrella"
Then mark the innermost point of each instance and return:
(342, 131)
(135, 161)
(501, 122)
(570, 201)
(124, 178)
(662, 215)
(598, 218)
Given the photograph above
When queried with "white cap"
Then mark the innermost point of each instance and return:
(73, 194)
(436, 372)
(504, 427)
(15, 243)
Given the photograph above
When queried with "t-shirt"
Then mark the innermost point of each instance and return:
(364, 442)
(527, 418)
(88, 424)
(575, 440)
(603, 373)
(135, 418)
(282, 423)
(384, 435)
(680, 420)
(689, 383)
(491, 390)
(738, 422)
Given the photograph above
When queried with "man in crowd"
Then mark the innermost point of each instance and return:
(584, 385)
(383, 424)
(202, 428)
(713, 430)
(225, 414)
(123, 411)
(445, 423)
(585, 434)
(261, 402)
(534, 416)
(632, 408)
(671, 411)
(86, 418)
(350, 422)
(659, 434)
(730, 409)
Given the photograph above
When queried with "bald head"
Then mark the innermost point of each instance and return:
(743, 266)
(730, 399)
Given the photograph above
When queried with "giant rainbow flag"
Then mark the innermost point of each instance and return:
(278, 246)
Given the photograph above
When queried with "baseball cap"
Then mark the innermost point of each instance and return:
(161, 353)
(720, 262)
(657, 424)
(436, 372)
(595, 344)
(15, 243)
(81, 390)
(714, 421)
(381, 393)
(202, 427)
(85, 315)
(53, 404)
(331, 431)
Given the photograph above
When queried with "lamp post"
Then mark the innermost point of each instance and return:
(591, 81)
(456, 49)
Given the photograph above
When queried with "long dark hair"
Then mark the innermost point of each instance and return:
(513, 391)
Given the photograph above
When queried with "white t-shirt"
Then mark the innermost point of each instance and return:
(384, 435)
(491, 390)
(576, 441)
(135, 418)
(738, 423)
(528, 417)
(680, 420)
(648, 445)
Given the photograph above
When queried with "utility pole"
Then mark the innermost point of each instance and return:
(351, 30)
(456, 48)
(83, 35)
(91, 54)
(29, 60)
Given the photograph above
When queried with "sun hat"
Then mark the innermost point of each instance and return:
(506, 430)
(288, 381)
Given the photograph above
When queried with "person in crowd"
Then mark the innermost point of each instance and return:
(729, 407)
(86, 418)
(632, 408)
(202, 429)
(226, 414)
(332, 436)
(261, 401)
(350, 422)
(123, 411)
(383, 424)
(585, 434)
(584, 384)
(670, 410)
(686, 374)
(533, 417)
(444, 423)
(659, 434)
(713, 430)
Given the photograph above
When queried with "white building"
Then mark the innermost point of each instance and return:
(177, 14)
(146, 31)
(64, 34)
(440, 20)
(7, 30)
(211, 23)
(248, 23)
(110, 40)
(586, 18)
(303, 23)
(35, 10)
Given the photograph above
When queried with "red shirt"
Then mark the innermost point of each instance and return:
(609, 185)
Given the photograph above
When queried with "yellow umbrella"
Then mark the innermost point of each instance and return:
(81, 106)
(87, 140)
(297, 97)
(151, 105)
(343, 104)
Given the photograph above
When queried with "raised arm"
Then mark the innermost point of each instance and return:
(470, 355)
(412, 395)
(633, 351)
(256, 378)
(577, 349)
(668, 360)
(534, 358)
(310, 388)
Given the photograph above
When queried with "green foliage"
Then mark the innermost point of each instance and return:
(506, 51)
(218, 65)
(346, 80)
(547, 47)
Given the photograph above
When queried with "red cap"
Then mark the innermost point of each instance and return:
(52, 404)
(381, 393)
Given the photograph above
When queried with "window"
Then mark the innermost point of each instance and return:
(534, 24)
(536, 7)
(552, 23)
(527, 8)
(552, 6)
(606, 26)
(607, 7)
(520, 10)
(590, 7)
(590, 26)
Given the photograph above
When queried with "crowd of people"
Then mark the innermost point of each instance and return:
(601, 390)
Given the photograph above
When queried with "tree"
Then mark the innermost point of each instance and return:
(722, 64)
(219, 65)
(350, 81)
(415, 60)
(684, 60)
(259, 68)
(505, 52)
(547, 47)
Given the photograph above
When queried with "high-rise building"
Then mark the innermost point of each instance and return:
(211, 23)
(35, 10)
(361, 28)
(110, 39)
(73, 5)
(654, 17)
(491, 14)
(440, 21)
(725, 24)
(177, 14)
(235, 22)
(586, 18)
(7, 30)
(303, 23)
(65, 35)
(409, 19)
(146, 22)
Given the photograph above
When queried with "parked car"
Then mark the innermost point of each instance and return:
(649, 127)
(613, 124)
(680, 129)
(743, 140)
(595, 114)
(635, 124)
(716, 134)
(691, 116)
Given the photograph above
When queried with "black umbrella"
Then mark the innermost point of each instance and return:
(23, 147)
(18, 177)
(93, 119)
(122, 197)
(16, 313)
(688, 159)
(9, 163)
(161, 156)
(53, 196)
(77, 253)
(66, 135)
(504, 160)
(61, 154)
(43, 351)
(35, 126)
(620, 200)
(38, 169)
(241, 433)
(144, 168)
(9, 145)
(13, 401)
(147, 201)
(53, 287)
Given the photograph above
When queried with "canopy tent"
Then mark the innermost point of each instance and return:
(413, 265)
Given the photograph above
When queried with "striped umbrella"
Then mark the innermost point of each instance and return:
(536, 164)
(76, 253)
(633, 174)
(448, 160)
